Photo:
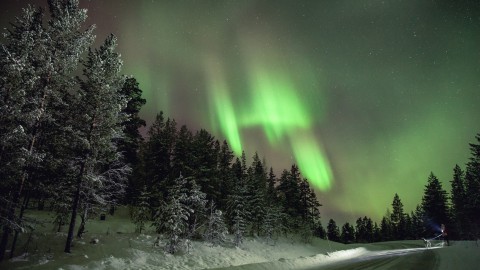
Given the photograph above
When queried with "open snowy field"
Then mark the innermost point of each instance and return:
(120, 248)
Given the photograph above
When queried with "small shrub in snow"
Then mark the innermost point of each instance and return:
(94, 241)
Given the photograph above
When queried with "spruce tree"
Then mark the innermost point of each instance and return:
(182, 154)
(130, 143)
(256, 192)
(377, 235)
(272, 223)
(458, 199)
(304, 200)
(418, 228)
(141, 211)
(289, 194)
(225, 174)
(408, 228)
(152, 160)
(319, 231)
(236, 206)
(313, 207)
(360, 231)
(397, 219)
(386, 228)
(205, 162)
(347, 235)
(156, 157)
(333, 234)
(271, 191)
(197, 202)
(472, 189)
(434, 204)
(368, 223)
(172, 218)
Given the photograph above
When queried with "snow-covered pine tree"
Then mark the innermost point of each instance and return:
(176, 218)
(305, 230)
(216, 230)
(16, 82)
(177, 215)
(272, 223)
(172, 217)
(37, 73)
(256, 192)
(196, 201)
(236, 208)
(141, 212)
(96, 126)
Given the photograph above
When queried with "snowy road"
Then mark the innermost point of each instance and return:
(403, 258)
(390, 255)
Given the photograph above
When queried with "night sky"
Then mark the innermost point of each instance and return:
(367, 97)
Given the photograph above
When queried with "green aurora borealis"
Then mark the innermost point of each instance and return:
(367, 97)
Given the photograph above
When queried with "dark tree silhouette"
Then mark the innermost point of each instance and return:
(434, 204)
(333, 234)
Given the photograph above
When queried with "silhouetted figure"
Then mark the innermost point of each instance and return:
(445, 234)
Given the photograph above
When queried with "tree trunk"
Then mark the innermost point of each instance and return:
(73, 218)
(3, 243)
(81, 229)
(76, 199)
(22, 211)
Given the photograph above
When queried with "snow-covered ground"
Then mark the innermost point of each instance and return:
(120, 248)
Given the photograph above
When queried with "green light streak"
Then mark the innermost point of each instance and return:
(281, 92)
(312, 162)
(223, 108)
(276, 106)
